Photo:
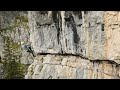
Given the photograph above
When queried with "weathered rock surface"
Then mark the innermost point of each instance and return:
(69, 32)
(10, 20)
(52, 67)
(76, 44)
(94, 35)
(13, 24)
(112, 30)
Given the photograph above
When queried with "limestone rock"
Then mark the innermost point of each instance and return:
(73, 44)
(79, 69)
(64, 61)
(72, 33)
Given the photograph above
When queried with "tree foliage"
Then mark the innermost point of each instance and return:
(13, 69)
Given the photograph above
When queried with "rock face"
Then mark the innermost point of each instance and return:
(92, 35)
(71, 67)
(69, 33)
(16, 22)
(13, 26)
(112, 22)
(67, 44)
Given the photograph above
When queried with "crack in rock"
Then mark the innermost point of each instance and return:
(82, 57)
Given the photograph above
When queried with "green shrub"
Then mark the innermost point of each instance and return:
(13, 69)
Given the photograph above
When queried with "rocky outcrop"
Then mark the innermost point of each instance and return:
(67, 44)
(71, 67)
(68, 32)
(88, 39)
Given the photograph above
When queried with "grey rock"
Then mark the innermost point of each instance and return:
(64, 61)
(68, 38)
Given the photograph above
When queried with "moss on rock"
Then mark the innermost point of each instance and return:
(12, 67)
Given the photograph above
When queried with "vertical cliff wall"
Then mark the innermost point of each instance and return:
(76, 45)
(67, 32)
(67, 44)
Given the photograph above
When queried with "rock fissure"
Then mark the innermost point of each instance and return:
(81, 56)
(67, 44)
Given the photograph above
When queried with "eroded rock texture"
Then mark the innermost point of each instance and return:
(14, 25)
(75, 44)
(71, 67)
(93, 35)
(70, 32)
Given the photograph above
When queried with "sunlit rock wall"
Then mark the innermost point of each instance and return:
(94, 35)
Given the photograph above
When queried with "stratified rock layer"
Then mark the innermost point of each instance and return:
(75, 44)
(93, 35)
(71, 67)
(69, 32)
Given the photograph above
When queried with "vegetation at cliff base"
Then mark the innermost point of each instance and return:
(12, 67)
